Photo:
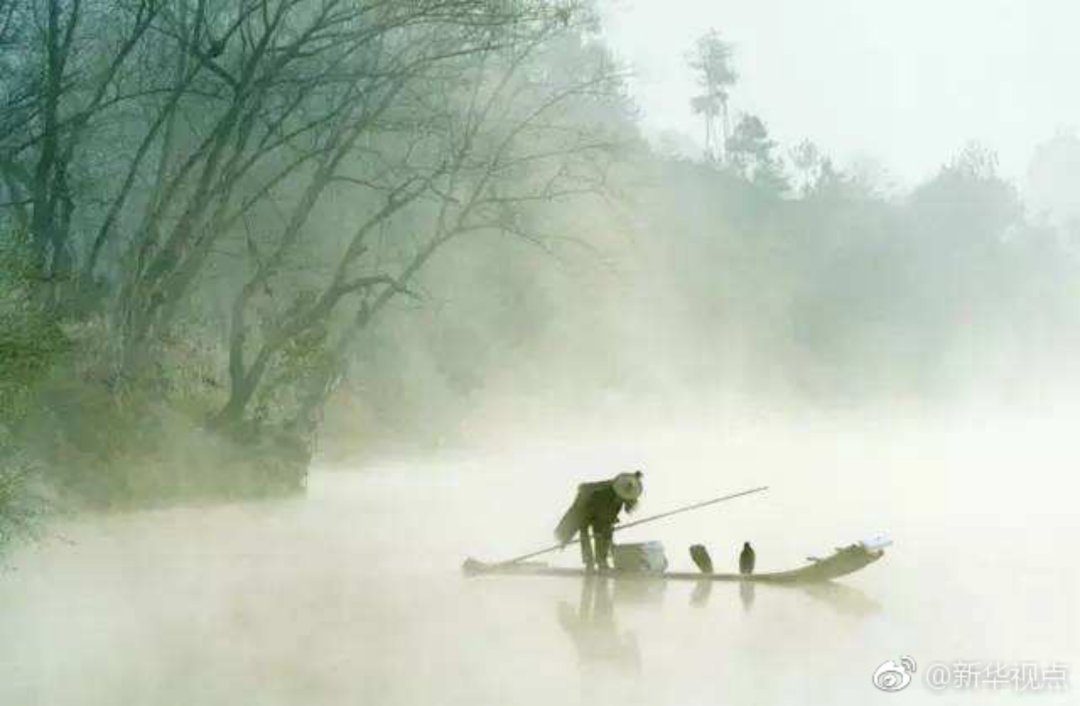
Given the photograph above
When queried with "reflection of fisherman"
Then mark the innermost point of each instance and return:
(597, 507)
(594, 631)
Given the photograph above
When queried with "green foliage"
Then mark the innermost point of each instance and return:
(30, 346)
(752, 154)
(30, 342)
(21, 508)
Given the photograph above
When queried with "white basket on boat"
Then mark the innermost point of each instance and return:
(645, 557)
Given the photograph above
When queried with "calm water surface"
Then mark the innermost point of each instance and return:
(353, 594)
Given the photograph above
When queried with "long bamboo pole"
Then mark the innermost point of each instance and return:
(653, 518)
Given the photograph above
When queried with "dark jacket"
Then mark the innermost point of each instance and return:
(596, 505)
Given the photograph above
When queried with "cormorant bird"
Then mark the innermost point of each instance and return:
(701, 558)
(746, 559)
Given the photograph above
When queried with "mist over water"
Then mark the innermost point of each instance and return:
(354, 592)
(288, 333)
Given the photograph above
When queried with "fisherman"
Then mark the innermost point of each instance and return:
(597, 507)
(746, 559)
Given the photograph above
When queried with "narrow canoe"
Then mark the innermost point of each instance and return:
(844, 561)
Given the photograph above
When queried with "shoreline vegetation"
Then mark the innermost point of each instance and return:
(205, 206)
(224, 226)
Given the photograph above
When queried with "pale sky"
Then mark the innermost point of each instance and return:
(906, 82)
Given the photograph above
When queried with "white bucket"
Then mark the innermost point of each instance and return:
(647, 557)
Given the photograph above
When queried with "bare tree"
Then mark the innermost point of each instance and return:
(52, 101)
(274, 174)
(456, 157)
(297, 84)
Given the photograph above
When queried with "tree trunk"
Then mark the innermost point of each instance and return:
(43, 221)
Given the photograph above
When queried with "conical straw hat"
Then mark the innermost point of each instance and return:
(627, 486)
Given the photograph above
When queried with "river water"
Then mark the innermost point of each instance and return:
(353, 593)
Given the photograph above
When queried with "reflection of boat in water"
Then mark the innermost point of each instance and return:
(844, 561)
(843, 599)
(846, 600)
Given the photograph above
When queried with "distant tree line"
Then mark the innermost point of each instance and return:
(769, 274)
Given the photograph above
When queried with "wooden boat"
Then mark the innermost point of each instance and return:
(844, 561)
